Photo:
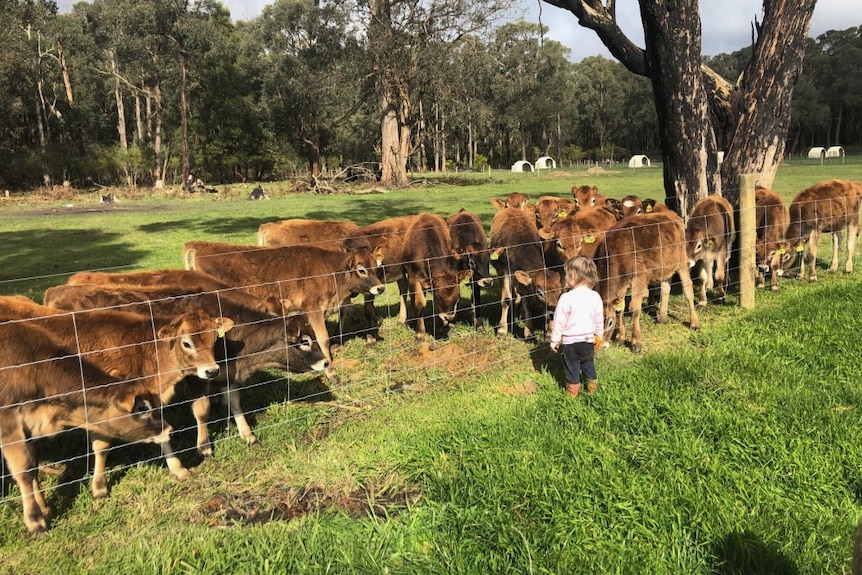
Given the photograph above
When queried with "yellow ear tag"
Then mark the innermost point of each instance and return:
(620, 306)
(495, 256)
(562, 214)
(648, 209)
(589, 239)
(220, 332)
(800, 248)
(781, 251)
(709, 244)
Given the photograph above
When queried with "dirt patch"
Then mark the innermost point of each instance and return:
(596, 170)
(523, 388)
(287, 504)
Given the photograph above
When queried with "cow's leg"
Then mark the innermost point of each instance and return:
(201, 411)
(505, 302)
(372, 336)
(836, 244)
(419, 304)
(403, 290)
(242, 426)
(476, 305)
(527, 314)
(809, 262)
(688, 292)
(175, 466)
(317, 320)
(721, 273)
(640, 290)
(703, 280)
(852, 233)
(99, 484)
(665, 297)
(22, 465)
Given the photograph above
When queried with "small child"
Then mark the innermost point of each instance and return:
(579, 324)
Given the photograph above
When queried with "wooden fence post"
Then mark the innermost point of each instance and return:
(747, 239)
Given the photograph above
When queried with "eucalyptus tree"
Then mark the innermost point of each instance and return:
(694, 104)
(400, 34)
(313, 68)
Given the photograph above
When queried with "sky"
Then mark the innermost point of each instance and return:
(726, 24)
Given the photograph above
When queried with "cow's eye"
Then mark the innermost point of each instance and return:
(187, 344)
(361, 272)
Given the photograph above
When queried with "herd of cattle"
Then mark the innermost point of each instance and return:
(105, 351)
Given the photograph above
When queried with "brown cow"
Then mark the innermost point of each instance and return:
(471, 243)
(549, 208)
(427, 260)
(774, 254)
(386, 237)
(830, 206)
(709, 235)
(309, 279)
(45, 388)
(630, 205)
(635, 252)
(258, 340)
(515, 200)
(523, 264)
(159, 351)
(586, 196)
(581, 232)
(327, 234)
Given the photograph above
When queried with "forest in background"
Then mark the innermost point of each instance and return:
(119, 92)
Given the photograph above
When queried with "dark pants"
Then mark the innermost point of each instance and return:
(577, 358)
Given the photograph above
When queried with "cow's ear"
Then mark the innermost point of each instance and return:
(378, 255)
(523, 278)
(222, 325)
(273, 306)
(167, 331)
(288, 309)
(425, 283)
(457, 254)
(498, 203)
(464, 275)
(496, 253)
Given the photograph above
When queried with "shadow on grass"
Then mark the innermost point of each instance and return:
(745, 553)
(31, 260)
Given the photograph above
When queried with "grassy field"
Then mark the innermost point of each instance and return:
(735, 449)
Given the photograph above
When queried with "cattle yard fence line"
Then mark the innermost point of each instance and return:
(471, 354)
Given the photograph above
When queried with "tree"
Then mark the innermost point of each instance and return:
(696, 107)
(400, 35)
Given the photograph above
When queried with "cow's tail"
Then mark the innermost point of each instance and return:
(728, 222)
(189, 258)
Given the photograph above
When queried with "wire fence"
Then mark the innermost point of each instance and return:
(61, 367)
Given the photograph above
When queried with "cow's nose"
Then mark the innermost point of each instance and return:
(376, 290)
(211, 372)
(447, 317)
(486, 282)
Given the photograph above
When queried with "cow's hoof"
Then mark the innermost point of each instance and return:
(636, 348)
(812, 278)
(432, 346)
(254, 443)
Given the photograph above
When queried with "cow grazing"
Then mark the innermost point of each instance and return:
(709, 235)
(580, 233)
(773, 252)
(515, 200)
(523, 264)
(160, 351)
(46, 388)
(308, 279)
(427, 260)
(328, 234)
(258, 339)
(471, 243)
(635, 252)
(831, 206)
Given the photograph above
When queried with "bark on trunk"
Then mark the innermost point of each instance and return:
(184, 111)
(121, 109)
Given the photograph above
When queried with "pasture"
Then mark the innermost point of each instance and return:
(735, 449)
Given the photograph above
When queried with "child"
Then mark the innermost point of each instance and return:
(579, 324)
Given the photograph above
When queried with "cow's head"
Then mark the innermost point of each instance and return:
(630, 206)
(365, 270)
(446, 289)
(696, 245)
(132, 415)
(192, 337)
(585, 196)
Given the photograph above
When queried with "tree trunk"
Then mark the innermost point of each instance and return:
(762, 104)
(673, 47)
(118, 98)
(67, 82)
(184, 111)
(391, 96)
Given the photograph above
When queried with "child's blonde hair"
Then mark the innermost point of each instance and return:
(581, 270)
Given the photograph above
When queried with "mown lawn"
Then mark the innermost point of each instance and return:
(735, 449)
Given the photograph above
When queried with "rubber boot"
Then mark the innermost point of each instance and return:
(592, 386)
(573, 389)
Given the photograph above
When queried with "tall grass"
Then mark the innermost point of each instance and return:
(735, 449)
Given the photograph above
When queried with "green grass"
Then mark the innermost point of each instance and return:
(735, 449)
